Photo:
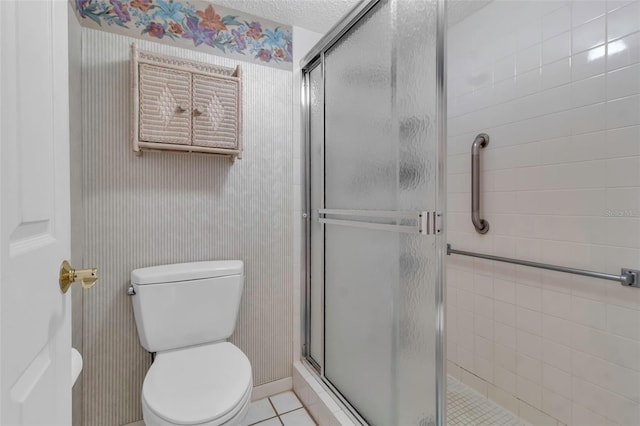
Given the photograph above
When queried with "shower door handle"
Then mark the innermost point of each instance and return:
(424, 222)
(481, 141)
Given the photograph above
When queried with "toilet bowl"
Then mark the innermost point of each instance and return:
(185, 313)
(203, 385)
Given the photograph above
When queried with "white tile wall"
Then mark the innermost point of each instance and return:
(556, 85)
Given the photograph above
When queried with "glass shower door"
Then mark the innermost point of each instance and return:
(375, 272)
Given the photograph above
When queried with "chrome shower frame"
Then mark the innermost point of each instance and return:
(315, 58)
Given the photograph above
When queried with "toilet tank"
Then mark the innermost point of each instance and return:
(186, 304)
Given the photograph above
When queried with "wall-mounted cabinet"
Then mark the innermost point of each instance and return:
(181, 105)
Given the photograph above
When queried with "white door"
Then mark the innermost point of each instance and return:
(35, 317)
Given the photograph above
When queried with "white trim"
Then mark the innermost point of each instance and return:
(272, 388)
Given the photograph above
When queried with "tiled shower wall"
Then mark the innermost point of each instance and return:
(556, 85)
(167, 207)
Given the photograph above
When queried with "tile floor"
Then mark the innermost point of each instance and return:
(465, 406)
(282, 409)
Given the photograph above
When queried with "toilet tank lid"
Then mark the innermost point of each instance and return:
(186, 271)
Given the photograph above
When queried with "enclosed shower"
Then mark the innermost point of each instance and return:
(487, 151)
(374, 100)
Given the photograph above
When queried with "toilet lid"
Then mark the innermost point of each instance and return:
(197, 384)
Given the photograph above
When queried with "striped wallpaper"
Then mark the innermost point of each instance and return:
(168, 207)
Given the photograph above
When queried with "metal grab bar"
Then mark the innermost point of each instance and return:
(628, 277)
(481, 225)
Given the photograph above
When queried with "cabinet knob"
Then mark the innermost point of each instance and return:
(197, 112)
(180, 109)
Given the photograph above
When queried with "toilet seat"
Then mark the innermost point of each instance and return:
(201, 385)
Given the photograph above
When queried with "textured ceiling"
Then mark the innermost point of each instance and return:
(314, 15)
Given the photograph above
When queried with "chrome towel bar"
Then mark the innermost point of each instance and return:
(628, 277)
(481, 225)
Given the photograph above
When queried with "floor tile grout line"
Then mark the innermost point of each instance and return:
(279, 415)
(290, 411)
(263, 420)
(276, 411)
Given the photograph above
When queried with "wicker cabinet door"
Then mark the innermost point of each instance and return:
(216, 114)
(165, 105)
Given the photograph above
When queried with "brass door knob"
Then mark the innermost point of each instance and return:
(68, 276)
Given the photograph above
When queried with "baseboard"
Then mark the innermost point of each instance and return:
(271, 388)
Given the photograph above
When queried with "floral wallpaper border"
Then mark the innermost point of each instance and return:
(195, 24)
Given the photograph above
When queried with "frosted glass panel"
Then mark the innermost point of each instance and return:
(416, 114)
(316, 127)
(380, 153)
(360, 150)
(359, 323)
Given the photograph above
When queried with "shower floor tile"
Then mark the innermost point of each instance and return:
(465, 406)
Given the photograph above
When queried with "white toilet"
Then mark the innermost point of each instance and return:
(184, 313)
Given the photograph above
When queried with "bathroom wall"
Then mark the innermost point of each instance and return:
(556, 85)
(171, 207)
